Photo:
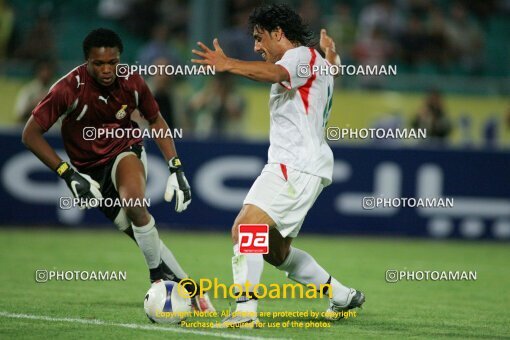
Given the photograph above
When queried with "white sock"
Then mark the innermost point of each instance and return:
(340, 292)
(147, 238)
(168, 257)
(302, 267)
(247, 268)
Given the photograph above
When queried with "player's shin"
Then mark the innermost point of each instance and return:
(302, 267)
(247, 268)
(169, 264)
(147, 238)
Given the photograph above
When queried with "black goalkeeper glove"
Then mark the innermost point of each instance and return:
(81, 185)
(177, 184)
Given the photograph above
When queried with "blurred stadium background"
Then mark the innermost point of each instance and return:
(453, 60)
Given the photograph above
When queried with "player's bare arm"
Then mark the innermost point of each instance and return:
(34, 140)
(327, 46)
(256, 70)
(166, 145)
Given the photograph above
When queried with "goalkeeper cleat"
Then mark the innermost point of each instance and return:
(202, 303)
(156, 274)
(240, 320)
(336, 312)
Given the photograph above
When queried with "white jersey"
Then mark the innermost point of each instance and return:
(299, 112)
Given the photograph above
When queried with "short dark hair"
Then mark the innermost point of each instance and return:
(273, 16)
(101, 37)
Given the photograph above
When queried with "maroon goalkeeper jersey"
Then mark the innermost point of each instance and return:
(84, 105)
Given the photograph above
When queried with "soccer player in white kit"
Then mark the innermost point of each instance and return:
(300, 162)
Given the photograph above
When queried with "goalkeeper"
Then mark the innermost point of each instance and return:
(91, 97)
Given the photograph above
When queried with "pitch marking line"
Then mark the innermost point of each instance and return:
(129, 325)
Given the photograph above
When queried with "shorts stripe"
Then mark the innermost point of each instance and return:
(284, 171)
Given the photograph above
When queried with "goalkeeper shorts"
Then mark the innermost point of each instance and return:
(105, 176)
(286, 195)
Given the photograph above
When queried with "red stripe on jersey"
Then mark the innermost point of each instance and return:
(304, 90)
(284, 170)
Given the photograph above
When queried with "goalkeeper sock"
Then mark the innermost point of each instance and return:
(147, 238)
(247, 268)
(171, 263)
(302, 267)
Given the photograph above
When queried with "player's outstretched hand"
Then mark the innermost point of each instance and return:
(177, 185)
(216, 58)
(326, 42)
(328, 47)
(82, 186)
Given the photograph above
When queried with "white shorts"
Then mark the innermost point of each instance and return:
(285, 195)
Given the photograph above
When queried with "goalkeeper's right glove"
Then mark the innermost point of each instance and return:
(177, 185)
(81, 185)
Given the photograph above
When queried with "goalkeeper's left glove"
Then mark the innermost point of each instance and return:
(177, 184)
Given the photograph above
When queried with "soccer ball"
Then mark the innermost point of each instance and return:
(164, 304)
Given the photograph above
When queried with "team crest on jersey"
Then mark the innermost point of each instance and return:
(121, 113)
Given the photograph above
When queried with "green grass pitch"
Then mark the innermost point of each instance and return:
(95, 309)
